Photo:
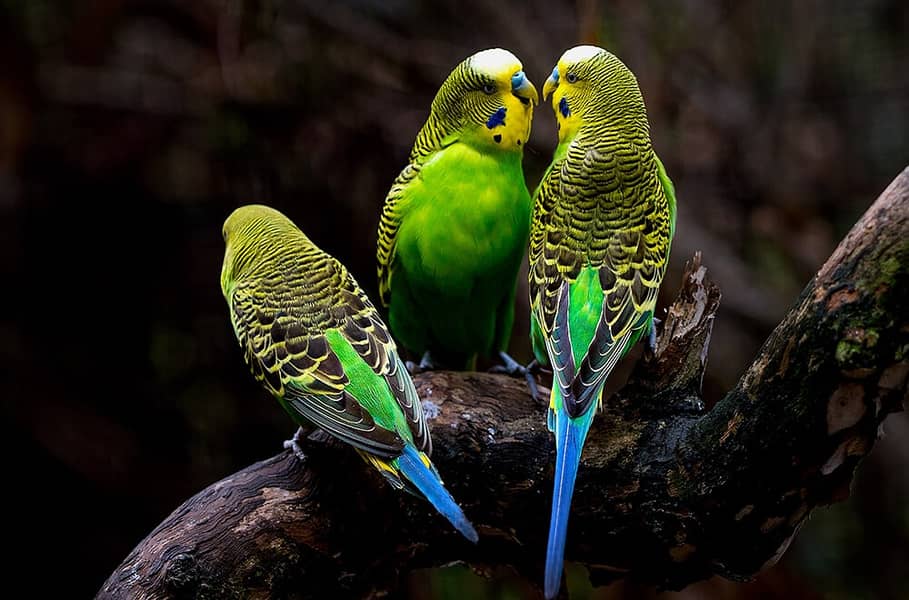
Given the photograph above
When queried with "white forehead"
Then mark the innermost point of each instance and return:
(494, 61)
(580, 53)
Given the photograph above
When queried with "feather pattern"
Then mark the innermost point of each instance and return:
(460, 102)
(455, 222)
(285, 295)
(601, 205)
(315, 341)
(602, 224)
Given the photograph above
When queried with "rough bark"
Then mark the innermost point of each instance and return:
(667, 493)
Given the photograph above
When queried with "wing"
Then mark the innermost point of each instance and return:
(389, 223)
(607, 210)
(550, 274)
(364, 329)
(431, 138)
(281, 327)
(669, 190)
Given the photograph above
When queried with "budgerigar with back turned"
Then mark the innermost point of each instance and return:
(603, 221)
(317, 344)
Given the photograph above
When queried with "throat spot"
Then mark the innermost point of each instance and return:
(497, 138)
(497, 118)
(563, 107)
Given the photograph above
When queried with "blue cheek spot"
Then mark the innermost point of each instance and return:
(497, 118)
(563, 107)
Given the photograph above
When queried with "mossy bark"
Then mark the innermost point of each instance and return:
(667, 492)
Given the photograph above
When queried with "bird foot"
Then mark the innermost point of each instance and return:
(426, 364)
(294, 445)
(515, 369)
(693, 406)
(652, 337)
(431, 410)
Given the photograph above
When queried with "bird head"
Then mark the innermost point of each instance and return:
(487, 100)
(252, 234)
(591, 85)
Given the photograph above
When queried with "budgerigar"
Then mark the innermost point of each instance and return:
(456, 221)
(316, 342)
(603, 220)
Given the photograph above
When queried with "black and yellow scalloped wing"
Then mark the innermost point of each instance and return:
(602, 208)
(389, 223)
(282, 329)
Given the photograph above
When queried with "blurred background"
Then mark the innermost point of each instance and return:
(129, 129)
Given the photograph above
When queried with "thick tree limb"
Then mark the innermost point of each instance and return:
(667, 493)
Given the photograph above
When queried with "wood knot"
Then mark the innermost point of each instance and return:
(840, 297)
(181, 572)
(845, 407)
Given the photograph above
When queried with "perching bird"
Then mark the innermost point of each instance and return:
(456, 221)
(316, 342)
(603, 220)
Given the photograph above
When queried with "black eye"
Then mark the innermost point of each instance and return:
(571, 77)
(489, 88)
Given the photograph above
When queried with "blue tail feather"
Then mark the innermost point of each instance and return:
(570, 435)
(426, 480)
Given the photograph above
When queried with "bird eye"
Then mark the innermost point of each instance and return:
(489, 88)
(571, 77)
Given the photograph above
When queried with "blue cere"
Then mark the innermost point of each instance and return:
(517, 80)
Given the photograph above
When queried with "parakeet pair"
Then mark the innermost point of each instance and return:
(454, 227)
(316, 342)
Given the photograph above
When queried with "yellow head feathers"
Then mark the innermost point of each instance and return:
(591, 85)
(253, 235)
(486, 101)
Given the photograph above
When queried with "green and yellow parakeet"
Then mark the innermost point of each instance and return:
(456, 221)
(603, 220)
(316, 342)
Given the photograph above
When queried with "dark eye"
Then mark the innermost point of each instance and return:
(571, 77)
(489, 88)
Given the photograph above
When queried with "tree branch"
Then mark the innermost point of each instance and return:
(667, 493)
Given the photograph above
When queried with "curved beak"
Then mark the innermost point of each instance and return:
(523, 89)
(551, 84)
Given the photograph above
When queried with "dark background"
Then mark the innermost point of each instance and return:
(129, 129)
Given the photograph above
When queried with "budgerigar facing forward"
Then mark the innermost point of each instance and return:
(315, 341)
(603, 220)
(455, 223)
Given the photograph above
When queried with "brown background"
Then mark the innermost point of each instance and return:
(130, 128)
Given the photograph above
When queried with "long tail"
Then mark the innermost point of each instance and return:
(419, 471)
(570, 434)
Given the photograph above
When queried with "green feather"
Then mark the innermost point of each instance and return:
(669, 190)
(368, 387)
(585, 296)
(603, 222)
(313, 338)
(456, 221)
(317, 344)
